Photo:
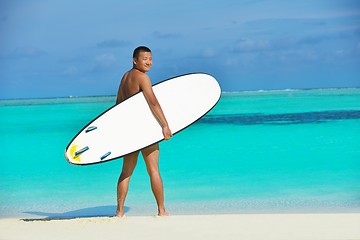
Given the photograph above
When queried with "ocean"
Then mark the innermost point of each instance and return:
(255, 152)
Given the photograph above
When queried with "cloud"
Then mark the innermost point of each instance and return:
(106, 58)
(160, 35)
(251, 45)
(271, 53)
(304, 44)
(104, 62)
(294, 55)
(327, 36)
(113, 43)
(209, 53)
(27, 52)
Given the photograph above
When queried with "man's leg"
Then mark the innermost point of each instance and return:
(151, 157)
(129, 164)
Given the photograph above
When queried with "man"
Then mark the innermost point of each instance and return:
(132, 82)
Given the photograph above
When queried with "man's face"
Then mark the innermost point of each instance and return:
(143, 62)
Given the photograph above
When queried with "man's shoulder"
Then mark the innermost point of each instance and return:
(138, 74)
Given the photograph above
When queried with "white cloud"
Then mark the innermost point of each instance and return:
(103, 62)
(209, 53)
(113, 43)
(251, 45)
(27, 52)
(105, 59)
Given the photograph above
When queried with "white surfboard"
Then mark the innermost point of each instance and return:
(131, 126)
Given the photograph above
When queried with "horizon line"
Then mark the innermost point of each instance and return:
(223, 92)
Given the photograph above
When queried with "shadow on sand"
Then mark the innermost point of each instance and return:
(100, 211)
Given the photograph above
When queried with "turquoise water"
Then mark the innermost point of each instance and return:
(276, 151)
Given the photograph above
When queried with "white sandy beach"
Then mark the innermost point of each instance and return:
(239, 226)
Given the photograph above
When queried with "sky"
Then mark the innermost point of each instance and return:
(61, 48)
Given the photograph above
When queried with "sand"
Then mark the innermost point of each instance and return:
(237, 226)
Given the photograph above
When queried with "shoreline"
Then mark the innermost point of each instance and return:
(179, 209)
(223, 226)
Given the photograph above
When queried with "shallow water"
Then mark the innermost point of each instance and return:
(276, 151)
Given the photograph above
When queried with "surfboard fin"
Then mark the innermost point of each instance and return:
(91, 128)
(79, 152)
(105, 155)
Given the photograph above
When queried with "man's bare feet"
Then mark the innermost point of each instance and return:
(120, 213)
(163, 213)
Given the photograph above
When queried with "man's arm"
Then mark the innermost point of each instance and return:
(146, 87)
(119, 97)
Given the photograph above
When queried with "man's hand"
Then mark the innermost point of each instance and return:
(166, 132)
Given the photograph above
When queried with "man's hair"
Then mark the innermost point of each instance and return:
(140, 49)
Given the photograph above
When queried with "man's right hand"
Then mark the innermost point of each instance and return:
(166, 132)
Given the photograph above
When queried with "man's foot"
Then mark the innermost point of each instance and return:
(163, 213)
(120, 214)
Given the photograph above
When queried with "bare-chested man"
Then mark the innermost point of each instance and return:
(132, 82)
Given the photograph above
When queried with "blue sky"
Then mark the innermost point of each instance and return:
(54, 48)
